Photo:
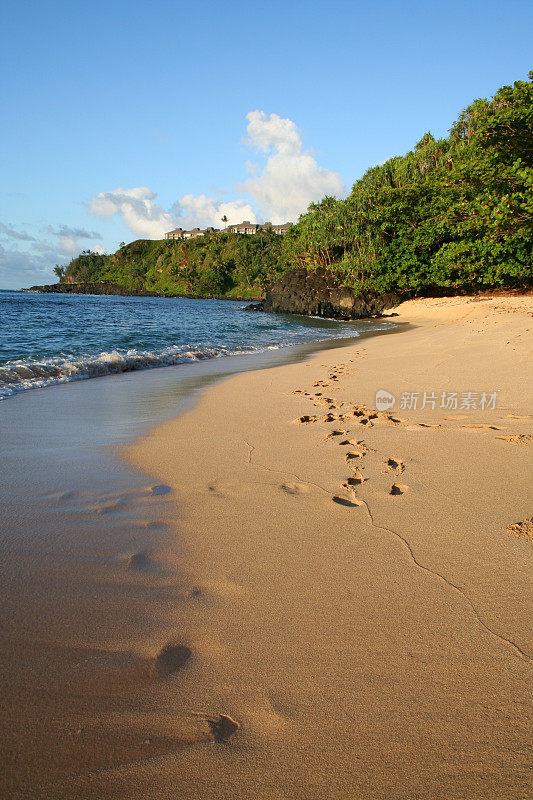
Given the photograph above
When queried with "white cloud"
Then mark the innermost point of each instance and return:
(20, 268)
(291, 178)
(33, 259)
(138, 207)
(201, 211)
(145, 217)
(272, 132)
(64, 231)
(251, 167)
(11, 232)
(289, 181)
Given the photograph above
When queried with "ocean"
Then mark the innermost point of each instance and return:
(48, 339)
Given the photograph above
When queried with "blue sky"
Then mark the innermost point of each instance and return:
(121, 120)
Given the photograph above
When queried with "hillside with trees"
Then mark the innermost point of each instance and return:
(219, 263)
(453, 214)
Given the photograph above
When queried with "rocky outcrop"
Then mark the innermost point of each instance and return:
(102, 287)
(107, 287)
(321, 294)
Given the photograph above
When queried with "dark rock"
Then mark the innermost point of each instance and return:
(110, 288)
(102, 287)
(320, 293)
(254, 307)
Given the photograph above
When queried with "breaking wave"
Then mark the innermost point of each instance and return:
(21, 374)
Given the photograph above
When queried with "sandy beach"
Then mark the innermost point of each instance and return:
(363, 606)
(349, 585)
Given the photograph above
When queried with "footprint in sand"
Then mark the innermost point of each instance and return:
(364, 415)
(123, 671)
(332, 434)
(294, 488)
(223, 727)
(172, 658)
(62, 497)
(160, 489)
(356, 480)
(395, 465)
(143, 562)
(522, 530)
(481, 425)
(328, 401)
(305, 419)
(363, 449)
(359, 411)
(343, 501)
(517, 438)
(398, 488)
(351, 456)
(115, 507)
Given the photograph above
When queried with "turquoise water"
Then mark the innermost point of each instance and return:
(47, 339)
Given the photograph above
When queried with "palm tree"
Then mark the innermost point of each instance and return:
(225, 220)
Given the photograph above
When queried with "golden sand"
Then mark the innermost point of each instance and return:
(353, 620)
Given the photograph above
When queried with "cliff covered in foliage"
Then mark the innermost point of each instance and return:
(219, 264)
(454, 214)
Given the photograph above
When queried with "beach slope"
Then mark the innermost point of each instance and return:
(358, 579)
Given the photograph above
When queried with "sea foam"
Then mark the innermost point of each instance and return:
(22, 374)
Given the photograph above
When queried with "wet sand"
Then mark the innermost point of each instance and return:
(350, 586)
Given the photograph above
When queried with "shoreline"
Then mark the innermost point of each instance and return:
(134, 353)
(373, 576)
(117, 290)
(276, 590)
(91, 570)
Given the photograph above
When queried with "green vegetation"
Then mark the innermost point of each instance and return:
(457, 212)
(214, 264)
(454, 213)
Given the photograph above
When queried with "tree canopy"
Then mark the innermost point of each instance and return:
(454, 212)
